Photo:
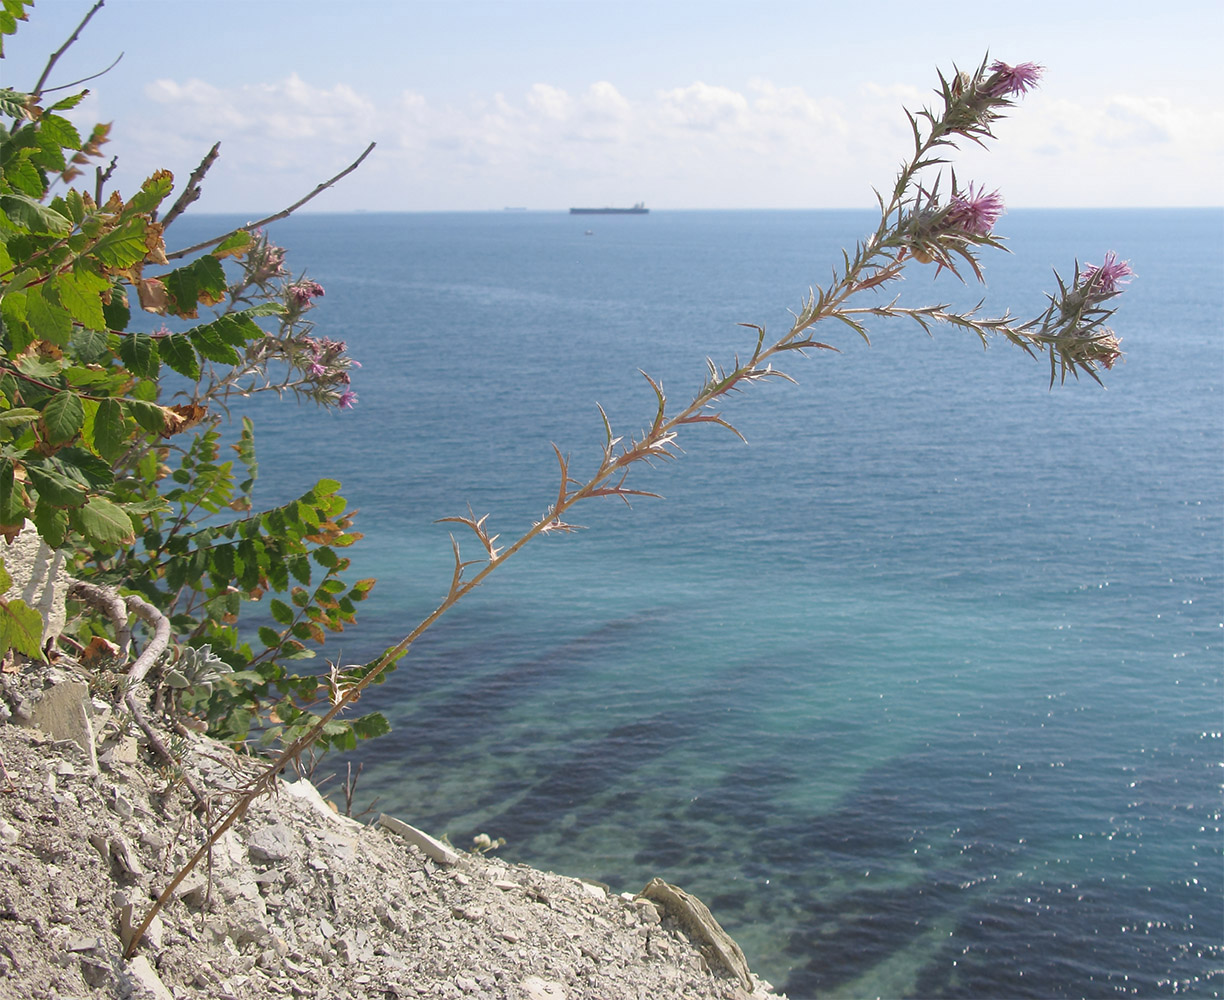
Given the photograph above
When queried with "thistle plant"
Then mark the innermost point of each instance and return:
(918, 226)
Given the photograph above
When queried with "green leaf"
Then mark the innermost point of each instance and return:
(368, 727)
(150, 416)
(72, 100)
(81, 294)
(63, 416)
(269, 637)
(49, 320)
(13, 507)
(18, 417)
(90, 345)
(139, 353)
(52, 524)
(123, 246)
(233, 245)
(83, 467)
(108, 434)
(59, 131)
(281, 612)
(212, 347)
(299, 566)
(103, 522)
(30, 215)
(203, 280)
(55, 488)
(21, 629)
(177, 352)
(325, 488)
(117, 313)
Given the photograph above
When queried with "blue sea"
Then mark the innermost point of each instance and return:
(920, 689)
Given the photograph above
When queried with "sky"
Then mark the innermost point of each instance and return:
(545, 104)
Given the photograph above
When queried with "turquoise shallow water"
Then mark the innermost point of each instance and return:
(920, 690)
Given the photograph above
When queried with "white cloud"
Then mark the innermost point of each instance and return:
(704, 107)
(688, 146)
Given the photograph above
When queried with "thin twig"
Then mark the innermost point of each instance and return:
(284, 214)
(192, 191)
(85, 79)
(102, 177)
(159, 748)
(64, 48)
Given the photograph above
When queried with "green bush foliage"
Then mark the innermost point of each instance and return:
(134, 487)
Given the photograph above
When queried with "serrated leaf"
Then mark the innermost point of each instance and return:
(49, 320)
(117, 313)
(83, 467)
(59, 131)
(54, 488)
(212, 348)
(123, 246)
(299, 566)
(81, 294)
(18, 417)
(108, 435)
(63, 416)
(30, 215)
(103, 522)
(13, 507)
(150, 416)
(90, 345)
(233, 245)
(269, 637)
(201, 281)
(368, 727)
(152, 192)
(281, 612)
(176, 351)
(21, 629)
(139, 352)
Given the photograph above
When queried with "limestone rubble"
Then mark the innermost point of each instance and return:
(298, 901)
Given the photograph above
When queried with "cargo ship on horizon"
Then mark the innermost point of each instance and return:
(638, 209)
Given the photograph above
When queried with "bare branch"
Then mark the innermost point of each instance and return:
(191, 192)
(284, 214)
(86, 79)
(64, 48)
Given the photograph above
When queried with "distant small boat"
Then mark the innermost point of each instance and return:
(638, 209)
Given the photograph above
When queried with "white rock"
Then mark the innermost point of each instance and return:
(431, 847)
(144, 974)
(535, 988)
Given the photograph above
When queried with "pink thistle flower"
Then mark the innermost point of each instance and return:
(303, 291)
(347, 399)
(1104, 280)
(1007, 80)
(975, 212)
(316, 370)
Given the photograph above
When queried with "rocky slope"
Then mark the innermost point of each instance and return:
(297, 901)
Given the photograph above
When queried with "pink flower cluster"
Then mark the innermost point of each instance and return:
(1008, 80)
(1104, 280)
(301, 292)
(975, 212)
